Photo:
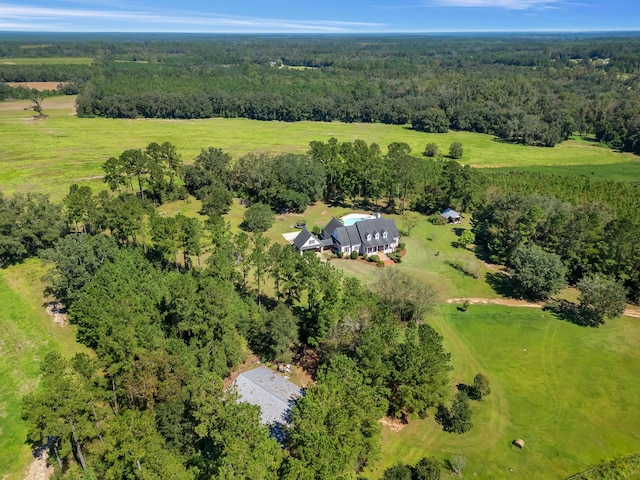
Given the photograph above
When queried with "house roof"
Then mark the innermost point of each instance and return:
(273, 393)
(379, 226)
(303, 237)
(327, 232)
(450, 213)
(347, 235)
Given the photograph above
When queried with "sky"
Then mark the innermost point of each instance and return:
(319, 16)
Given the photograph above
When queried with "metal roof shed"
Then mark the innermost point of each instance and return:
(273, 393)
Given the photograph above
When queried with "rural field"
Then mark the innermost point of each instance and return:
(570, 392)
(47, 61)
(50, 154)
(27, 334)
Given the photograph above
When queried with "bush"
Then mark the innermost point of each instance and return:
(316, 230)
(396, 257)
(468, 267)
(455, 150)
(431, 150)
(401, 247)
(373, 258)
(340, 254)
(437, 219)
(354, 255)
(480, 387)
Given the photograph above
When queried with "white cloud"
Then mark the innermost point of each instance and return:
(16, 17)
(508, 4)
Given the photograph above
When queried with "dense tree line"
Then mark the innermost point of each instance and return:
(535, 93)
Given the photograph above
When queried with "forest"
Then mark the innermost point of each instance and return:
(532, 90)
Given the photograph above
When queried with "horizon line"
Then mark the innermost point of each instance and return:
(386, 32)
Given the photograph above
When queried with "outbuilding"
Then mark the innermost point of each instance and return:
(451, 215)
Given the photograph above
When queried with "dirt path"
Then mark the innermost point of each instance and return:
(630, 311)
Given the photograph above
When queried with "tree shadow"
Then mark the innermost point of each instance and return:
(470, 390)
(502, 284)
(571, 312)
(504, 140)
(458, 231)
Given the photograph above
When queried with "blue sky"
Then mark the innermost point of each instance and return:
(319, 16)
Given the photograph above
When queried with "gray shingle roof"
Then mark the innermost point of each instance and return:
(327, 232)
(303, 237)
(379, 226)
(273, 393)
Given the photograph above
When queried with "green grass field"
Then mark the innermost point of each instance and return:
(26, 335)
(569, 392)
(50, 154)
(46, 61)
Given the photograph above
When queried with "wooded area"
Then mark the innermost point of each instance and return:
(531, 90)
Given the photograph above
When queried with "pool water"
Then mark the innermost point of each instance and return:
(353, 218)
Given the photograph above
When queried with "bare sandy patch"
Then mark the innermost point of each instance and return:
(57, 312)
(40, 86)
(392, 424)
(39, 469)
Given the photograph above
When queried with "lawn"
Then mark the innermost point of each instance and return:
(50, 154)
(26, 335)
(570, 392)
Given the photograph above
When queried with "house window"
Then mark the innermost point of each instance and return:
(369, 236)
(384, 234)
(377, 235)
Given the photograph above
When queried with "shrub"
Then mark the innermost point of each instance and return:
(373, 258)
(468, 267)
(401, 247)
(354, 255)
(340, 254)
(455, 150)
(316, 230)
(431, 150)
(437, 219)
(396, 257)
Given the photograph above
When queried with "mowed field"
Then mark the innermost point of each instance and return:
(27, 334)
(40, 86)
(47, 61)
(50, 154)
(569, 392)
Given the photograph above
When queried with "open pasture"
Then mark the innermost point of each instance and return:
(50, 154)
(40, 86)
(27, 334)
(46, 61)
(570, 392)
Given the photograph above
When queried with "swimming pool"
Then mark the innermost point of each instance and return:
(355, 217)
